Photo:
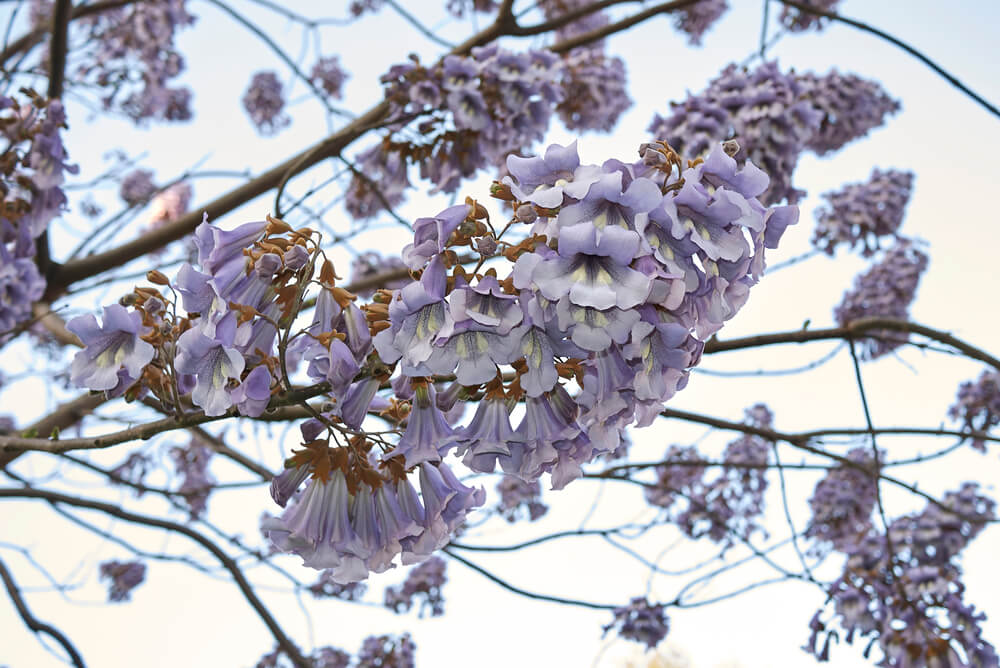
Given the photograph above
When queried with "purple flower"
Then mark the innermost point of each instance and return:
(977, 405)
(594, 92)
(137, 187)
(384, 182)
(123, 577)
(20, 286)
(423, 586)
(352, 533)
(763, 107)
(861, 214)
(328, 75)
(487, 436)
(387, 652)
(132, 58)
(797, 20)
(519, 498)
(886, 289)
(851, 106)
(591, 269)
(214, 361)
(428, 436)
(640, 621)
(431, 235)
(900, 600)
(109, 347)
(253, 394)
(696, 19)
(191, 463)
(264, 101)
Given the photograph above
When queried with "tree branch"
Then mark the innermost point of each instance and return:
(33, 623)
(803, 7)
(852, 330)
(227, 562)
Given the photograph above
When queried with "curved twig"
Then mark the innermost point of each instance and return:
(34, 624)
(227, 562)
(950, 78)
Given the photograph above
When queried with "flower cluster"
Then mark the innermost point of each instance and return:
(902, 589)
(764, 109)
(594, 94)
(423, 586)
(122, 577)
(380, 183)
(32, 172)
(519, 497)
(886, 289)
(264, 101)
(640, 621)
(695, 20)
(387, 652)
(137, 187)
(617, 275)
(328, 74)
(191, 463)
(727, 505)
(775, 117)
(843, 501)
(133, 58)
(592, 83)
(472, 111)
(977, 405)
(851, 106)
(797, 20)
(861, 214)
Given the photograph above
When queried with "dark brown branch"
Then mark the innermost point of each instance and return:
(36, 35)
(33, 623)
(505, 24)
(619, 26)
(853, 330)
(227, 562)
(144, 431)
(63, 417)
(803, 7)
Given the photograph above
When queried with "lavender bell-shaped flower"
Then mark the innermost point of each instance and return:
(488, 435)
(109, 347)
(428, 437)
(214, 362)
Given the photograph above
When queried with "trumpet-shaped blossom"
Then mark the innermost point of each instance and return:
(108, 347)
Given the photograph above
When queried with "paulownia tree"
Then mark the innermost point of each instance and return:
(408, 405)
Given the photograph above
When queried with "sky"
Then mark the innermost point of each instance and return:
(182, 618)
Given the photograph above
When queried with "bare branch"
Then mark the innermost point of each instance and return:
(244, 585)
(34, 624)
